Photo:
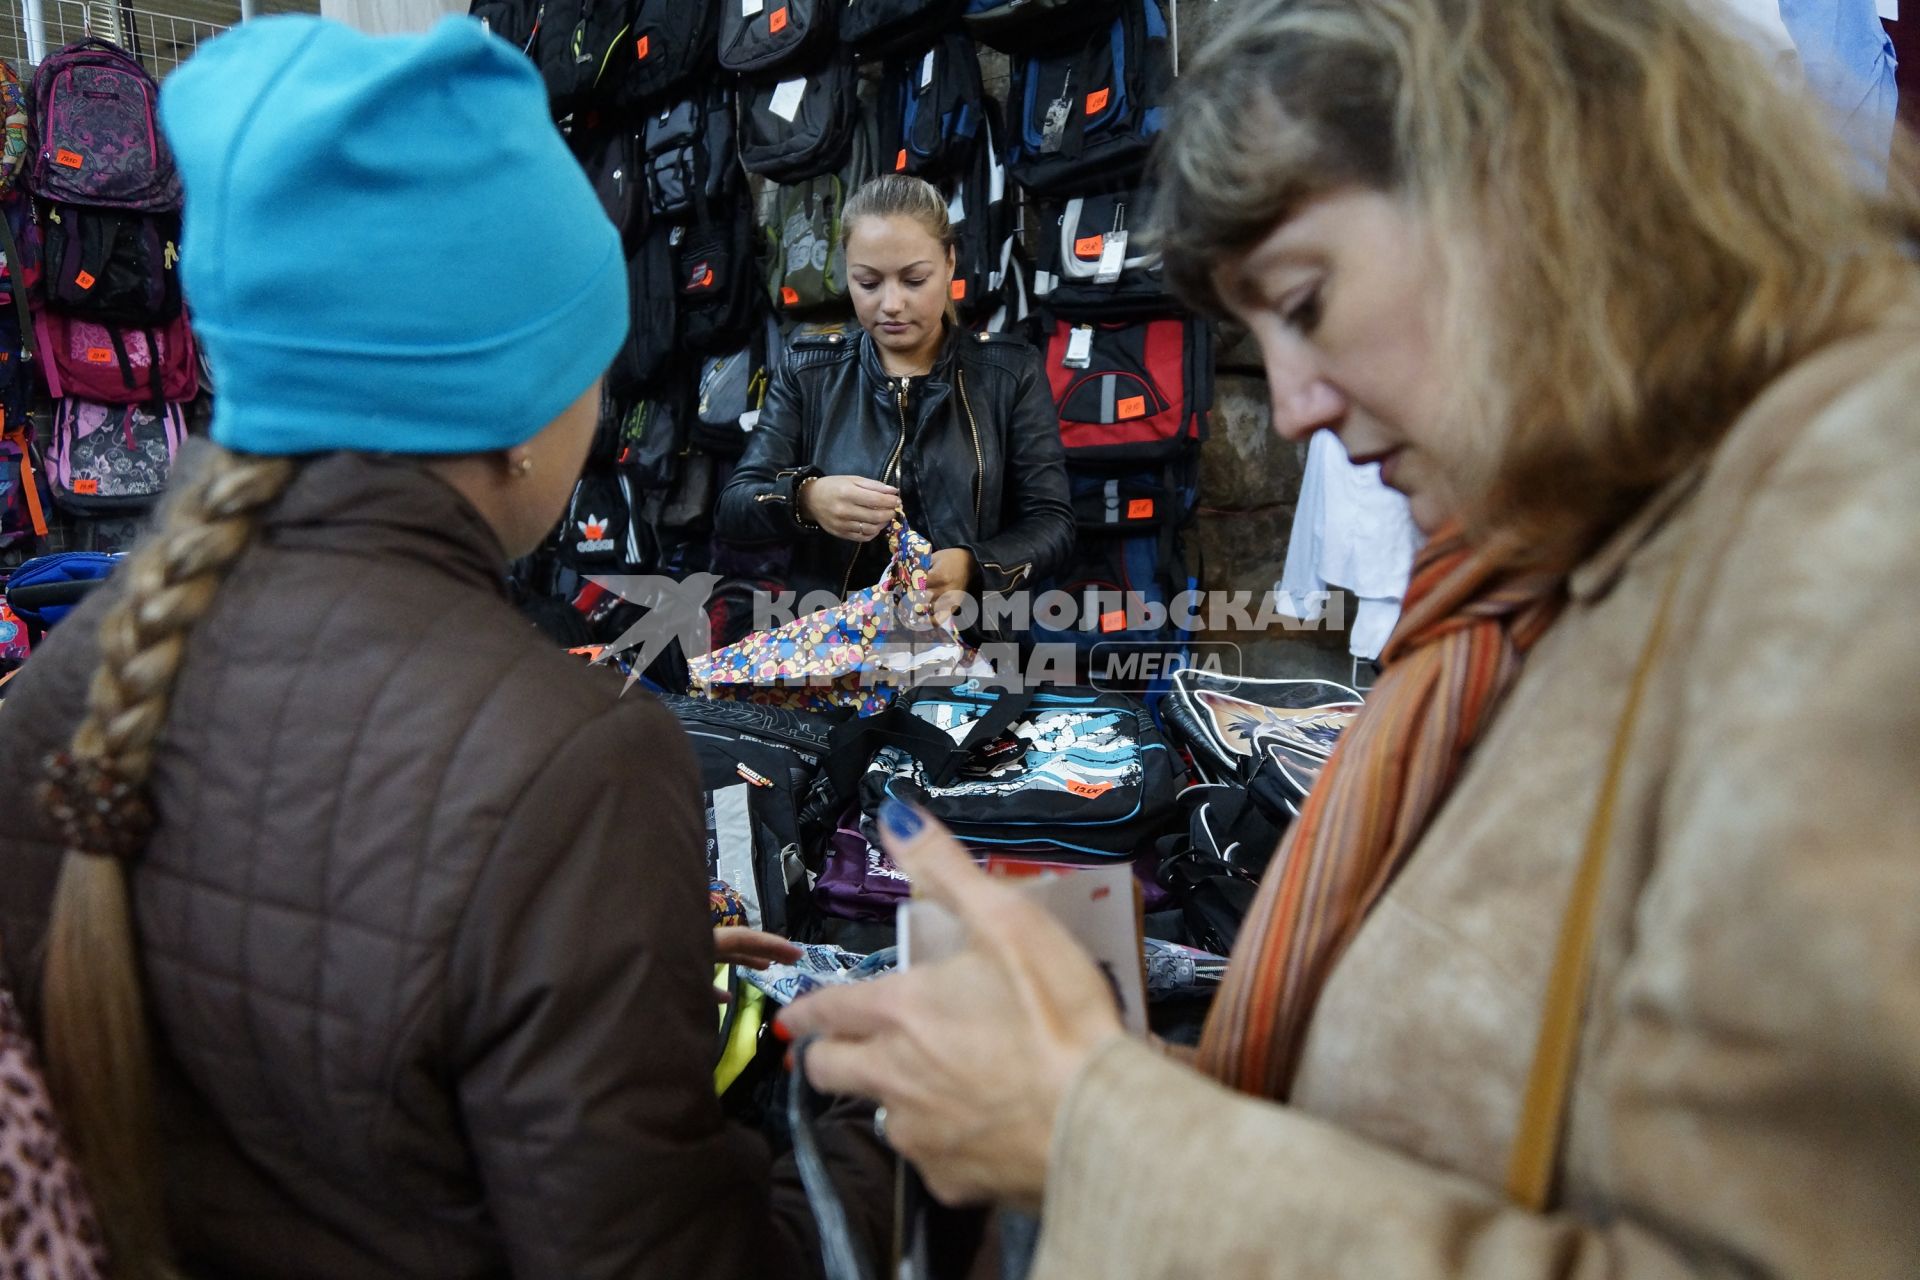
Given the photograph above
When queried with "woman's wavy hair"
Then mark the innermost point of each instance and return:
(1639, 223)
(94, 1023)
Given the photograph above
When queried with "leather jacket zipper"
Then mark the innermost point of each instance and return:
(886, 476)
(979, 459)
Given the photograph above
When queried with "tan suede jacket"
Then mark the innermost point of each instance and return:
(1746, 1099)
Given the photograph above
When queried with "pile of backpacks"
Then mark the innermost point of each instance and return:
(697, 119)
(94, 339)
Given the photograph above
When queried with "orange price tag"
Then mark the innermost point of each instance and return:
(644, 47)
(1132, 407)
(789, 295)
(84, 279)
(1140, 509)
(959, 290)
(1089, 246)
(705, 281)
(1115, 621)
(86, 486)
(1090, 790)
(900, 161)
(68, 159)
(1097, 100)
(99, 355)
(777, 20)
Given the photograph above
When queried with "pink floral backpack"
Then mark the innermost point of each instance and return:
(47, 1225)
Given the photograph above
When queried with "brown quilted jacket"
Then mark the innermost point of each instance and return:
(424, 925)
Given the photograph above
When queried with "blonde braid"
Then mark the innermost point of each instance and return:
(98, 1059)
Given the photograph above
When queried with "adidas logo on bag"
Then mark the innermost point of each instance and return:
(593, 536)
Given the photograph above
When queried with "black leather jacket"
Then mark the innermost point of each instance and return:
(974, 448)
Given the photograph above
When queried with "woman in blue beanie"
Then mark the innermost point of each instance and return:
(414, 905)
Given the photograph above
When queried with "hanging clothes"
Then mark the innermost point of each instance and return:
(1850, 65)
(1349, 531)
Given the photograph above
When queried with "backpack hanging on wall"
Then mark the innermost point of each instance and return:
(806, 256)
(24, 498)
(653, 302)
(99, 138)
(936, 108)
(758, 37)
(801, 127)
(1130, 391)
(113, 265)
(732, 389)
(1091, 260)
(599, 533)
(575, 42)
(981, 208)
(668, 45)
(880, 28)
(118, 365)
(690, 154)
(15, 140)
(719, 277)
(105, 459)
(650, 433)
(1084, 119)
(19, 272)
(614, 161)
(1023, 26)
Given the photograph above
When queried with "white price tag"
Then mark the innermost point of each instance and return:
(1079, 348)
(785, 102)
(1113, 255)
(748, 8)
(750, 419)
(926, 69)
(1890, 10)
(996, 176)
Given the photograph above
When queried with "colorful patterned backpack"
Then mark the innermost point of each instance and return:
(112, 458)
(100, 140)
(855, 654)
(13, 127)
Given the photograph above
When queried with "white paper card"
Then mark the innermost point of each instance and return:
(1113, 255)
(996, 176)
(1095, 905)
(786, 98)
(926, 69)
(750, 419)
(748, 8)
(1079, 348)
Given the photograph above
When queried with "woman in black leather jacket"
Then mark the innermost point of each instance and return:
(911, 411)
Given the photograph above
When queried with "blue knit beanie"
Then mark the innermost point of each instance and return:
(387, 246)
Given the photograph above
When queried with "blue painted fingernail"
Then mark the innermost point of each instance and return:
(900, 819)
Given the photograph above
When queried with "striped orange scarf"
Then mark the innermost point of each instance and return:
(1467, 621)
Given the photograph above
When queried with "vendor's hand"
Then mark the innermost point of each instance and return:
(750, 949)
(948, 578)
(852, 508)
(971, 1056)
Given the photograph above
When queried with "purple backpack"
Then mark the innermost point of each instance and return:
(107, 458)
(99, 140)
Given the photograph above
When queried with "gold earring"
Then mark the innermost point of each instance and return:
(523, 468)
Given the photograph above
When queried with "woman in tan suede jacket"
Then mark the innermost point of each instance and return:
(1597, 950)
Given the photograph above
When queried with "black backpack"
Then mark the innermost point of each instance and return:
(981, 204)
(653, 302)
(112, 264)
(599, 533)
(802, 127)
(667, 46)
(1084, 119)
(650, 434)
(514, 21)
(615, 165)
(934, 104)
(574, 43)
(690, 155)
(718, 278)
(1073, 245)
(732, 389)
(762, 36)
(1026, 26)
(881, 28)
